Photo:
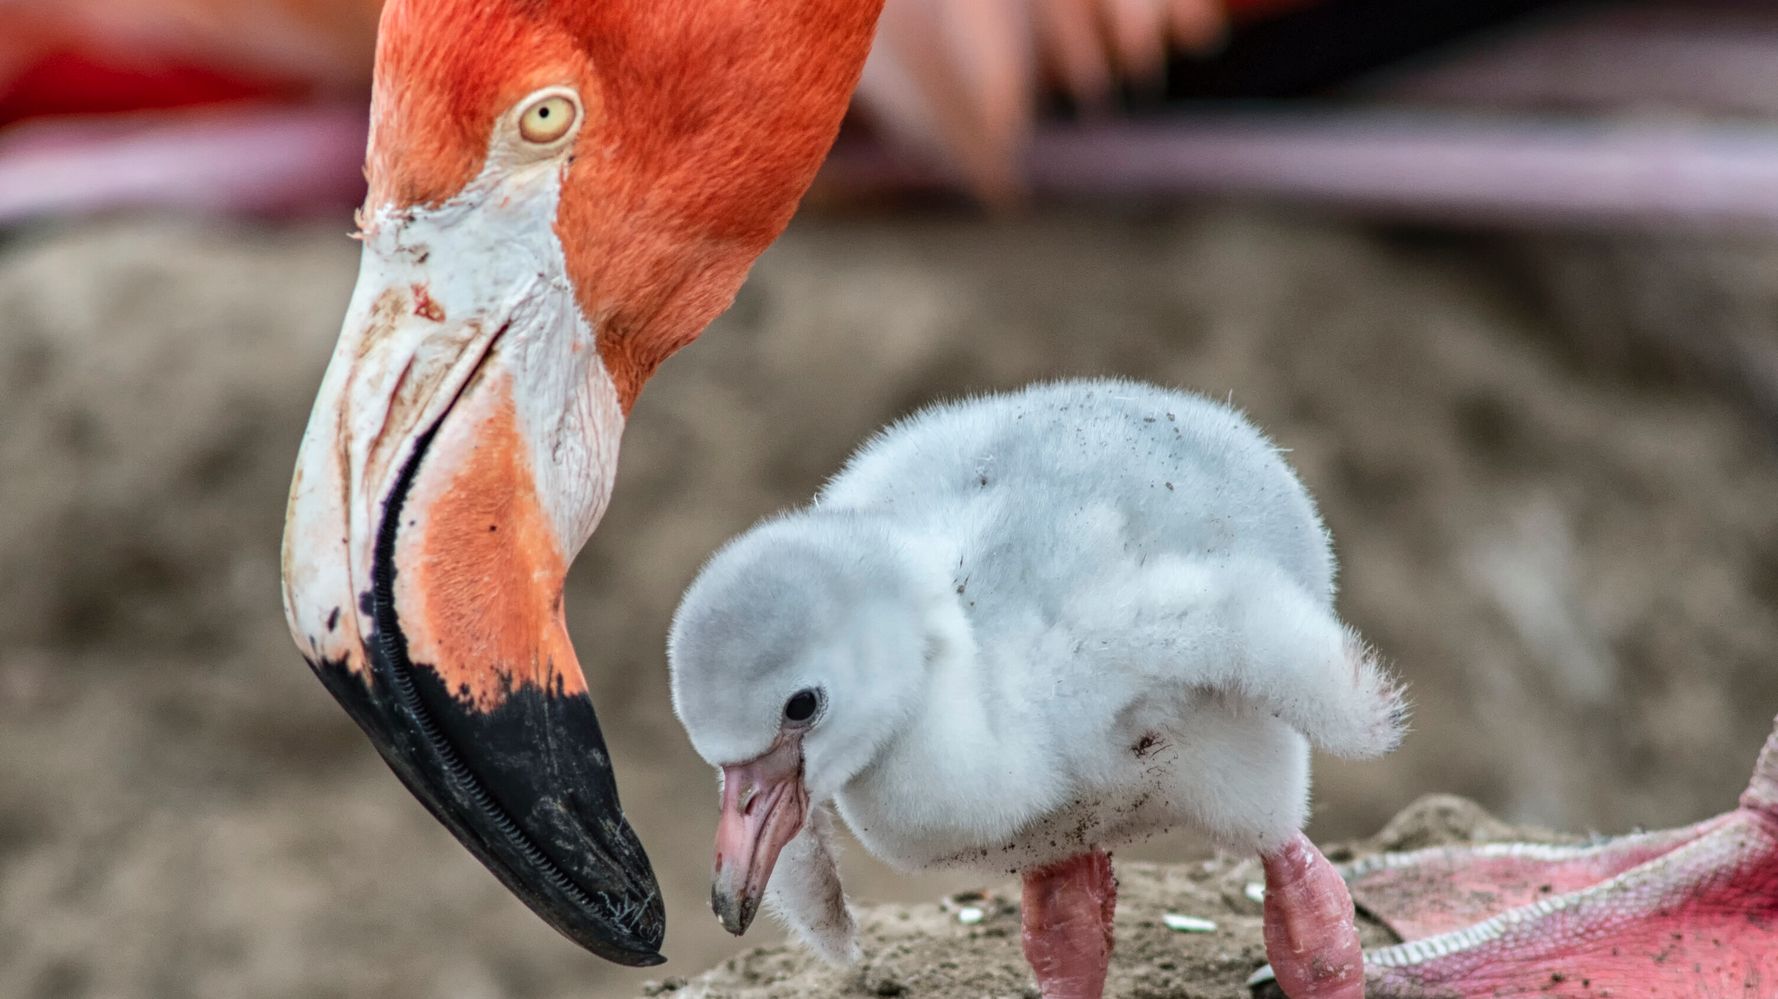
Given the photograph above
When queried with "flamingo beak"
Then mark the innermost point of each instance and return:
(764, 804)
(459, 454)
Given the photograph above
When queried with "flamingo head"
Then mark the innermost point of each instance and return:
(561, 195)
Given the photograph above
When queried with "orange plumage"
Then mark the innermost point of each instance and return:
(658, 224)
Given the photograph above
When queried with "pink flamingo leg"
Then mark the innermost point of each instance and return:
(1424, 893)
(1067, 925)
(1693, 912)
(1311, 932)
(1666, 915)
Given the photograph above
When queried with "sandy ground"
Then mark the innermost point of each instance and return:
(945, 949)
(1553, 502)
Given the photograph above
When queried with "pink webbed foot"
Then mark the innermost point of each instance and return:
(1311, 932)
(1067, 925)
(1698, 920)
(1682, 913)
(1690, 912)
(1424, 893)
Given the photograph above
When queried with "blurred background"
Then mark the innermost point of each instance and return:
(1502, 276)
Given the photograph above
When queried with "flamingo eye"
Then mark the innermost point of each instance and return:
(802, 707)
(548, 118)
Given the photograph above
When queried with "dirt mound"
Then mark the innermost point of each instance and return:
(968, 944)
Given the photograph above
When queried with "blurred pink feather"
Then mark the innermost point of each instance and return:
(955, 81)
(959, 80)
(259, 159)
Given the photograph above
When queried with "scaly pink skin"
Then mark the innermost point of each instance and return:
(1428, 892)
(1311, 931)
(1067, 925)
(1689, 912)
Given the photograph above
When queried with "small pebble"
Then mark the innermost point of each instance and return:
(1256, 891)
(969, 915)
(1187, 924)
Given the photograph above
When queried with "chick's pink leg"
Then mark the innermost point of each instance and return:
(1067, 925)
(1311, 932)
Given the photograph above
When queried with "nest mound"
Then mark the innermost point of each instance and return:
(968, 944)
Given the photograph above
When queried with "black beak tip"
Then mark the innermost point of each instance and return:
(644, 959)
(630, 936)
(530, 793)
(630, 953)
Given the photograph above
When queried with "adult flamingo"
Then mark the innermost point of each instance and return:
(561, 196)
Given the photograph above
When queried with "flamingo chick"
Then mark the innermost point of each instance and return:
(1016, 632)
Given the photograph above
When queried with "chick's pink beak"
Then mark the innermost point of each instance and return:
(763, 807)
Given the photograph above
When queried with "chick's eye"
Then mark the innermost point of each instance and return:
(802, 706)
(547, 119)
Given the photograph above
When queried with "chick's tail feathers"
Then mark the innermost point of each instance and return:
(1248, 628)
(1373, 706)
(1294, 657)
